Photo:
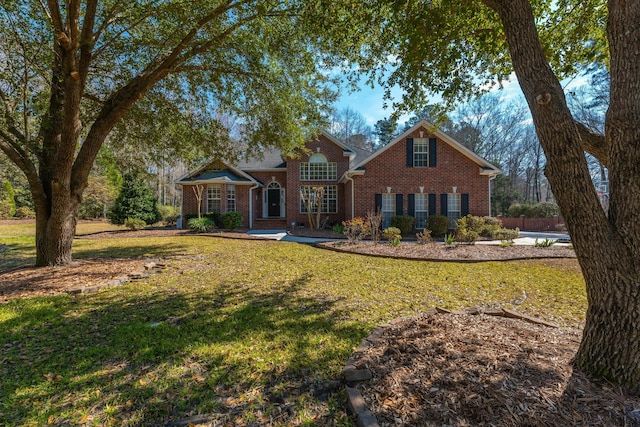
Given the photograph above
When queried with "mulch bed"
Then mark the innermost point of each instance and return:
(462, 370)
(456, 252)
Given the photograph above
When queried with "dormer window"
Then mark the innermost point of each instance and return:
(318, 169)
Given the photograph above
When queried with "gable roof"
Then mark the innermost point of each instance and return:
(209, 174)
(486, 168)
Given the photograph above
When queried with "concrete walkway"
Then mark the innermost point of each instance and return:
(526, 237)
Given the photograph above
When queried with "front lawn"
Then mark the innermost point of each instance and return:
(248, 332)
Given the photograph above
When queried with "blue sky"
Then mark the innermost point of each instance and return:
(369, 102)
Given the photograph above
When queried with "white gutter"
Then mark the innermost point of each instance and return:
(491, 178)
(256, 185)
(348, 177)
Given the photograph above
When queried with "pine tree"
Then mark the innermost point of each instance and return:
(136, 200)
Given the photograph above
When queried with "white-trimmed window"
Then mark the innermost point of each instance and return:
(214, 198)
(318, 169)
(329, 202)
(454, 203)
(421, 210)
(420, 152)
(388, 208)
(231, 198)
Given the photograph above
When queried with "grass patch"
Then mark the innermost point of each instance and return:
(247, 330)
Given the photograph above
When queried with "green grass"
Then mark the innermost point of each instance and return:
(235, 327)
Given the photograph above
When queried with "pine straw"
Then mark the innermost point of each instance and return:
(463, 370)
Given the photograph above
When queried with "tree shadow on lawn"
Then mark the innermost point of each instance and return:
(22, 255)
(154, 354)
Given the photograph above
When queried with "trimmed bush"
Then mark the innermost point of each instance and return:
(135, 224)
(166, 211)
(231, 220)
(393, 235)
(506, 234)
(404, 223)
(483, 226)
(201, 225)
(438, 224)
(467, 236)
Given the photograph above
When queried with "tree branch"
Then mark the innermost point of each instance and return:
(86, 40)
(594, 143)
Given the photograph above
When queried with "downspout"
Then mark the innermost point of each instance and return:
(491, 178)
(349, 178)
(256, 185)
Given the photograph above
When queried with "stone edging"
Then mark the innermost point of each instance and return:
(152, 266)
(353, 375)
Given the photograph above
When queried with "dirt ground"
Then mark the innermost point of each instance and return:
(435, 369)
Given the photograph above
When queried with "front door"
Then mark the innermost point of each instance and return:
(273, 202)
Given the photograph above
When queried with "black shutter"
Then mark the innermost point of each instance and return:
(412, 204)
(378, 202)
(443, 204)
(399, 207)
(464, 201)
(432, 204)
(432, 152)
(410, 152)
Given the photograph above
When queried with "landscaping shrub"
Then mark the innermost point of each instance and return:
(166, 211)
(25, 212)
(546, 243)
(135, 224)
(424, 237)
(171, 220)
(393, 235)
(404, 223)
(484, 226)
(467, 236)
(136, 200)
(449, 239)
(231, 220)
(438, 224)
(506, 234)
(356, 229)
(215, 217)
(538, 210)
(338, 228)
(201, 225)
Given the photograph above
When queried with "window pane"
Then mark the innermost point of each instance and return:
(454, 201)
(314, 171)
(329, 199)
(420, 152)
(214, 196)
(231, 198)
(421, 209)
(388, 208)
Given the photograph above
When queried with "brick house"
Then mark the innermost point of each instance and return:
(420, 173)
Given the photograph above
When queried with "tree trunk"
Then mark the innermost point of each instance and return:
(607, 248)
(54, 235)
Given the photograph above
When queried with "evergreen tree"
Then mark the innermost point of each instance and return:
(7, 200)
(136, 200)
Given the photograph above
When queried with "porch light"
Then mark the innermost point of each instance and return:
(455, 189)
(421, 189)
(388, 189)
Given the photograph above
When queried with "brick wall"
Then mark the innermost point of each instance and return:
(190, 201)
(389, 169)
(554, 223)
(333, 153)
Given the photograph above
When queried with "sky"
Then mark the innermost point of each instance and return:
(369, 102)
